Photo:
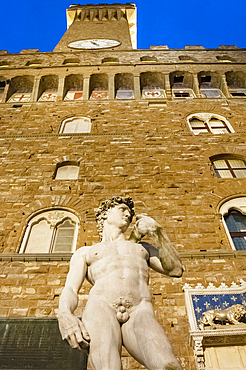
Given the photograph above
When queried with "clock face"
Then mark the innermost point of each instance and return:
(94, 44)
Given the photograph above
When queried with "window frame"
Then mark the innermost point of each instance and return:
(185, 90)
(37, 217)
(239, 91)
(65, 164)
(207, 117)
(236, 204)
(203, 89)
(227, 157)
(65, 121)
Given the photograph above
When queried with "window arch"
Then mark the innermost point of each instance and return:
(76, 125)
(20, 89)
(229, 166)
(67, 171)
(110, 60)
(51, 231)
(208, 123)
(234, 220)
(148, 59)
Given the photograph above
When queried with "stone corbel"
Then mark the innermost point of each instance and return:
(199, 353)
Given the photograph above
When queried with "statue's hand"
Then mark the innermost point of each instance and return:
(145, 225)
(73, 330)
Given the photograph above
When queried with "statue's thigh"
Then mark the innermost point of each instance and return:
(146, 341)
(101, 323)
(105, 336)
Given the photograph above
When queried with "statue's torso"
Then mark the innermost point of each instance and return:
(118, 269)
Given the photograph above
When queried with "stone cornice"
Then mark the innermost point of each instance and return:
(39, 257)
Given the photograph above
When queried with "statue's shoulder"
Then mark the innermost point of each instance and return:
(80, 254)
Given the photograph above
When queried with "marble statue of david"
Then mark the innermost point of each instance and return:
(119, 309)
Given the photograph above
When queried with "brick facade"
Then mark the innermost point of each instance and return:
(140, 147)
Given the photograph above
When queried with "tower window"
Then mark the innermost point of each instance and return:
(2, 85)
(148, 59)
(67, 171)
(52, 231)
(205, 79)
(238, 93)
(211, 93)
(110, 60)
(73, 61)
(76, 125)
(20, 89)
(183, 93)
(210, 123)
(178, 79)
(225, 59)
(186, 58)
(4, 64)
(33, 63)
(229, 167)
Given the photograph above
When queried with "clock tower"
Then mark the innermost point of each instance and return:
(98, 27)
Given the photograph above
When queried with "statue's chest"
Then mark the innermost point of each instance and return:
(111, 251)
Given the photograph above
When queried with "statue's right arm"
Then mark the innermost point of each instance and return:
(71, 328)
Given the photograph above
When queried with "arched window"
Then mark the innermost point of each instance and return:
(186, 58)
(71, 61)
(234, 220)
(110, 60)
(52, 231)
(209, 123)
(181, 84)
(67, 171)
(34, 63)
(228, 166)
(236, 224)
(148, 59)
(20, 89)
(76, 125)
(48, 88)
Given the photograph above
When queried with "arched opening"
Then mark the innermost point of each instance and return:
(152, 85)
(124, 86)
(210, 83)
(236, 82)
(73, 87)
(181, 84)
(99, 86)
(20, 89)
(51, 231)
(48, 88)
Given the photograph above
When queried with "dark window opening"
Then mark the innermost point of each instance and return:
(2, 85)
(178, 79)
(205, 79)
(181, 94)
(238, 94)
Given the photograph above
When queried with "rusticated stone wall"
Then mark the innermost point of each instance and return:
(135, 148)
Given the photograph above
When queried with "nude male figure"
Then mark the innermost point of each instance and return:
(119, 309)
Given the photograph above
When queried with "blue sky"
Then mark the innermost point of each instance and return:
(176, 23)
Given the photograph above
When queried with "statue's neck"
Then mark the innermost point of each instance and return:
(112, 233)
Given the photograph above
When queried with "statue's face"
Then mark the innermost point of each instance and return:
(119, 216)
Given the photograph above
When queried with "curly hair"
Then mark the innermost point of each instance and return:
(101, 213)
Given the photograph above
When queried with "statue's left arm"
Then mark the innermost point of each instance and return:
(162, 255)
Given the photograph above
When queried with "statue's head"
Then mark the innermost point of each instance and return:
(101, 214)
